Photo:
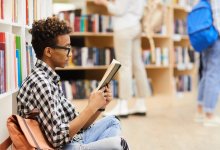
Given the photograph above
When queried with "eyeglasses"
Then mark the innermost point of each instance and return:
(68, 48)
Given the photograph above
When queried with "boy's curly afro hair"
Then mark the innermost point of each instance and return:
(44, 33)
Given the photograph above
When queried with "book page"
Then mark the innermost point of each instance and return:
(109, 74)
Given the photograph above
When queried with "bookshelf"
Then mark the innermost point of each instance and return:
(162, 76)
(16, 19)
(185, 69)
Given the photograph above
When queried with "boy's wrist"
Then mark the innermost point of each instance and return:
(91, 109)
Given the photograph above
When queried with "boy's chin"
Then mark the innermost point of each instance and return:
(63, 66)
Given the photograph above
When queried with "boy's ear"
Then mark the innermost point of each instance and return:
(48, 51)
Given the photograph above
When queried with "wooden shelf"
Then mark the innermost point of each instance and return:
(178, 72)
(161, 76)
(179, 8)
(2, 96)
(156, 36)
(156, 67)
(185, 37)
(180, 12)
(183, 40)
(95, 9)
(105, 67)
(83, 68)
(12, 24)
(16, 25)
(178, 37)
(5, 22)
(105, 34)
(110, 34)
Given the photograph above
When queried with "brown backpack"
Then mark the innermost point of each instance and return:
(26, 134)
(152, 21)
(153, 17)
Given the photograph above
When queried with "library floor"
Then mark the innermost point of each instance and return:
(169, 125)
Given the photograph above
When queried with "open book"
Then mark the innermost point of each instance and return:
(109, 74)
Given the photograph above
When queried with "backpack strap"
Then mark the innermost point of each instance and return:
(152, 48)
(29, 131)
(32, 115)
(4, 145)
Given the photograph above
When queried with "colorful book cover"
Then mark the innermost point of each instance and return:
(2, 9)
(3, 63)
(2, 72)
(18, 56)
(18, 67)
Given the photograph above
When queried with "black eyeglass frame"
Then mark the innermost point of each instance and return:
(69, 48)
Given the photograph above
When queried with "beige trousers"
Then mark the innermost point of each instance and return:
(127, 44)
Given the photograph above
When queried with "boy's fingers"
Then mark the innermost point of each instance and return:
(102, 89)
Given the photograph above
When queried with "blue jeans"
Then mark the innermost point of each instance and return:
(105, 133)
(209, 86)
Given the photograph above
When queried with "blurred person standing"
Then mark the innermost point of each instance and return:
(127, 16)
(209, 86)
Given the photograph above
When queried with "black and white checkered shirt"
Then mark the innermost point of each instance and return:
(41, 90)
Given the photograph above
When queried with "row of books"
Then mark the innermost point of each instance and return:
(184, 58)
(30, 57)
(91, 56)
(87, 23)
(81, 89)
(2, 14)
(11, 66)
(10, 10)
(36, 9)
(183, 83)
(161, 55)
(180, 27)
(4, 6)
(15, 10)
(2, 70)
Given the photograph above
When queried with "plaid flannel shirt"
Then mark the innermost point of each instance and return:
(41, 90)
(216, 13)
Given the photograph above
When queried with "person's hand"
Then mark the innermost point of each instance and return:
(108, 94)
(97, 100)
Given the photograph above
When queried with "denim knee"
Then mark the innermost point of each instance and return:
(116, 119)
(113, 119)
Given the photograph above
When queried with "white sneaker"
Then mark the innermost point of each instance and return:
(212, 122)
(120, 110)
(199, 117)
(139, 108)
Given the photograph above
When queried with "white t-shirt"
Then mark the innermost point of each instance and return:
(126, 13)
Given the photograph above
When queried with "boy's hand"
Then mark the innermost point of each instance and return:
(108, 94)
(96, 100)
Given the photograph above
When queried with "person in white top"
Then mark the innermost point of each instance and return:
(127, 15)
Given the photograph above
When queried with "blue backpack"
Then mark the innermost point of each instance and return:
(201, 31)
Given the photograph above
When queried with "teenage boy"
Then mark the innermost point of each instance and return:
(61, 124)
